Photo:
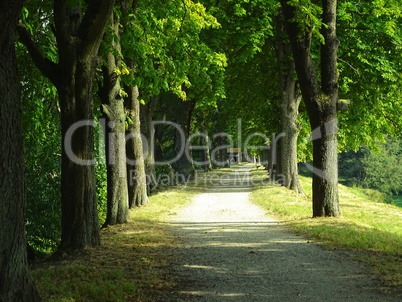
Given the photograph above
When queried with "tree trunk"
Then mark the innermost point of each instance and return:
(325, 149)
(148, 132)
(115, 116)
(137, 182)
(80, 225)
(325, 167)
(289, 110)
(78, 39)
(206, 142)
(16, 283)
(320, 104)
(184, 164)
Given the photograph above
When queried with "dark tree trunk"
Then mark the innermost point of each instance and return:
(80, 225)
(137, 182)
(114, 128)
(218, 155)
(148, 132)
(78, 38)
(320, 104)
(325, 149)
(206, 142)
(184, 164)
(289, 109)
(16, 283)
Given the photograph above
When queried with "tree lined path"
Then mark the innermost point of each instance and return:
(232, 251)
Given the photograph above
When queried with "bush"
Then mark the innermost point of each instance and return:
(383, 169)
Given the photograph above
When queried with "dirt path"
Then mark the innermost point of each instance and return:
(232, 251)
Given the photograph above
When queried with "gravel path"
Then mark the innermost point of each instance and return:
(232, 251)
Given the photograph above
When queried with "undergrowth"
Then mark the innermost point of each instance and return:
(130, 264)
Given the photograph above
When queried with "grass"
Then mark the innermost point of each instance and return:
(368, 230)
(133, 261)
(128, 266)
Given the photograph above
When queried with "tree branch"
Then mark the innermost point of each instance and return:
(94, 23)
(47, 67)
(301, 46)
(62, 36)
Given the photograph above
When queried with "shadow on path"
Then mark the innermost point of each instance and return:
(232, 251)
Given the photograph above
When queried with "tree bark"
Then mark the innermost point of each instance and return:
(78, 38)
(325, 149)
(289, 109)
(137, 182)
(320, 104)
(16, 283)
(114, 128)
(206, 142)
(148, 132)
(184, 164)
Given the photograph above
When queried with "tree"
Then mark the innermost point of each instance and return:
(165, 46)
(42, 149)
(136, 176)
(113, 109)
(251, 78)
(320, 102)
(136, 173)
(78, 32)
(16, 284)
(289, 108)
(146, 115)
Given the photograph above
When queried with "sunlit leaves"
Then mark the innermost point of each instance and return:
(163, 41)
(308, 17)
(370, 70)
(245, 25)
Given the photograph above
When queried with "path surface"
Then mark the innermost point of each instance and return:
(232, 251)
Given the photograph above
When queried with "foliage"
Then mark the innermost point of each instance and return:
(351, 171)
(41, 129)
(245, 26)
(251, 89)
(100, 170)
(221, 54)
(162, 39)
(308, 17)
(383, 169)
(378, 169)
(370, 71)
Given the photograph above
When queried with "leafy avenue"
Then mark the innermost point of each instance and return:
(112, 100)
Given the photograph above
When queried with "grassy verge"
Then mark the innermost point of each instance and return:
(130, 264)
(368, 230)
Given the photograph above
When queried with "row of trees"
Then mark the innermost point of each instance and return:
(119, 65)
